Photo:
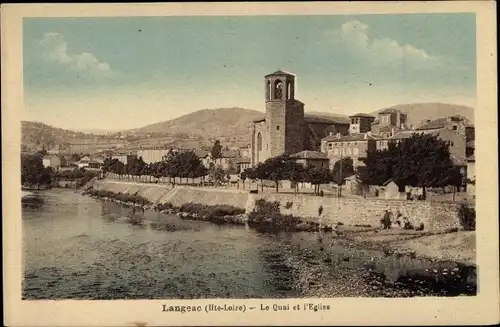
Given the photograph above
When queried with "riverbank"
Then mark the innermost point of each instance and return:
(455, 246)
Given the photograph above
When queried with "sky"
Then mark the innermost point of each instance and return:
(116, 73)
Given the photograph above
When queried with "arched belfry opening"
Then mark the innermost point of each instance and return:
(278, 89)
(288, 90)
(268, 90)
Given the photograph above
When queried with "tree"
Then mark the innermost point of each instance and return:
(342, 169)
(318, 176)
(423, 160)
(33, 172)
(185, 164)
(216, 150)
(216, 174)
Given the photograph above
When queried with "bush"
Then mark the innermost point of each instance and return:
(288, 205)
(164, 206)
(268, 213)
(211, 212)
(467, 217)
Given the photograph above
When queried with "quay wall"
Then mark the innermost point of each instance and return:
(436, 216)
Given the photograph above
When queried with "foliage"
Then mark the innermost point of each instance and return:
(386, 220)
(129, 198)
(268, 213)
(317, 176)
(423, 160)
(216, 150)
(33, 172)
(467, 217)
(211, 212)
(342, 169)
(75, 174)
(217, 175)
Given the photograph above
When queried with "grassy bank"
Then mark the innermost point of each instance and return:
(127, 199)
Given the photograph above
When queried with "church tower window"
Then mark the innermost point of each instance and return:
(278, 89)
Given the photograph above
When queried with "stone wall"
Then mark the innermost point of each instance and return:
(435, 216)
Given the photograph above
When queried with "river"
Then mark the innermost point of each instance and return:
(77, 247)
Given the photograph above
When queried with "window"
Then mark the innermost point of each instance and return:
(455, 127)
(278, 89)
(259, 142)
(330, 146)
(277, 127)
(348, 151)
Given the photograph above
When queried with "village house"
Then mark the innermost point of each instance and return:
(389, 122)
(459, 124)
(360, 123)
(242, 164)
(83, 162)
(354, 146)
(153, 155)
(392, 191)
(124, 158)
(311, 159)
(53, 161)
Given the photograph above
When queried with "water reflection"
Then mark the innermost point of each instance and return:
(82, 248)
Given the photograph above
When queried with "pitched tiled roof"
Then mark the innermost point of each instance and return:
(434, 124)
(346, 138)
(242, 160)
(362, 115)
(307, 154)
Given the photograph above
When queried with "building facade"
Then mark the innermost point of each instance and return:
(389, 122)
(153, 155)
(53, 161)
(355, 146)
(360, 123)
(311, 159)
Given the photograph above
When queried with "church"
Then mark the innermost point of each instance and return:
(285, 129)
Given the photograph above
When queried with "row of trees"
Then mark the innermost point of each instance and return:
(181, 164)
(285, 168)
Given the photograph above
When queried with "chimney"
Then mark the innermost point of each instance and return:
(338, 135)
(366, 136)
(331, 133)
(369, 133)
(392, 131)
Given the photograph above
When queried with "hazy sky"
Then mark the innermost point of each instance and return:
(118, 73)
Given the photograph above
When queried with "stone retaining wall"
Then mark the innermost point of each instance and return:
(435, 216)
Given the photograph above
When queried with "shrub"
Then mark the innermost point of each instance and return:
(420, 227)
(211, 212)
(164, 206)
(408, 225)
(268, 213)
(467, 217)
(288, 205)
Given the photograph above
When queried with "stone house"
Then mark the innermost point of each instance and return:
(354, 146)
(389, 122)
(52, 161)
(392, 191)
(459, 124)
(311, 159)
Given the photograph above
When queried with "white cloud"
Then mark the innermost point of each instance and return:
(354, 37)
(55, 49)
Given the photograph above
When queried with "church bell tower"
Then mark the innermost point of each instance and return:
(284, 114)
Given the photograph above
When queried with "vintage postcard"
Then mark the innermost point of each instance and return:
(250, 164)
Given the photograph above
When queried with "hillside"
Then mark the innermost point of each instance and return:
(37, 134)
(418, 112)
(230, 125)
(201, 128)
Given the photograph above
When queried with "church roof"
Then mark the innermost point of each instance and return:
(280, 72)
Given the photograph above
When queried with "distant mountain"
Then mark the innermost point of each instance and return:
(419, 112)
(229, 125)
